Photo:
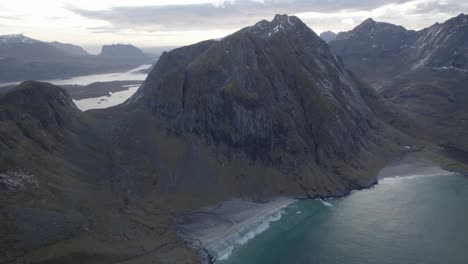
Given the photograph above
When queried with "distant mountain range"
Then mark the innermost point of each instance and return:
(24, 58)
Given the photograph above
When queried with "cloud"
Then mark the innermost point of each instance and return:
(181, 22)
(228, 15)
(425, 7)
(9, 18)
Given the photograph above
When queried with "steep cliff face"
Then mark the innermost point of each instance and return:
(443, 45)
(273, 92)
(374, 50)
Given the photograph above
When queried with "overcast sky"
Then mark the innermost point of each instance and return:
(181, 22)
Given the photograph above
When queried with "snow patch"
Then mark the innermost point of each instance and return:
(14, 181)
(450, 68)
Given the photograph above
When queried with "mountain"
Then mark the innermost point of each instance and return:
(57, 176)
(69, 49)
(26, 50)
(121, 50)
(16, 38)
(380, 51)
(375, 50)
(328, 36)
(23, 58)
(274, 93)
(121, 53)
(269, 110)
(22, 46)
(443, 45)
(422, 72)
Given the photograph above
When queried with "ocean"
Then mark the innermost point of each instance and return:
(402, 220)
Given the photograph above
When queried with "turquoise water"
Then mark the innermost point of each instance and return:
(412, 220)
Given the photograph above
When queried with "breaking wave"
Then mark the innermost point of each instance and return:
(327, 204)
(249, 231)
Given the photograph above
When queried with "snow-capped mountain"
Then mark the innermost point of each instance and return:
(16, 38)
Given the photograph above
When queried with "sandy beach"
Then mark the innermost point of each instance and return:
(219, 228)
(412, 165)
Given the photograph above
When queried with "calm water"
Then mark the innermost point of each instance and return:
(131, 75)
(408, 220)
(106, 101)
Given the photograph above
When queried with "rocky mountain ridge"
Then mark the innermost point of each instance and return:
(380, 51)
(422, 72)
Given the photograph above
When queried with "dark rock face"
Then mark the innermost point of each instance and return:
(380, 51)
(444, 45)
(423, 72)
(273, 91)
(375, 50)
(328, 36)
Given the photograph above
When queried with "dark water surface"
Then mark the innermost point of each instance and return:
(407, 220)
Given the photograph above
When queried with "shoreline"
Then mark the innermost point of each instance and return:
(215, 225)
(233, 222)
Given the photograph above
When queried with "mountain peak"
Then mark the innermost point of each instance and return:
(280, 23)
(37, 91)
(328, 36)
(285, 20)
(461, 18)
(51, 105)
(368, 21)
(17, 38)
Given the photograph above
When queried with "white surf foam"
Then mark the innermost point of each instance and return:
(327, 204)
(224, 248)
